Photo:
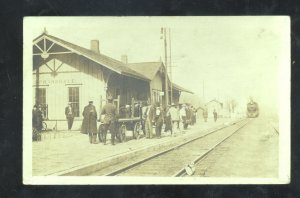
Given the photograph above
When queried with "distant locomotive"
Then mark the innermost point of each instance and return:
(252, 110)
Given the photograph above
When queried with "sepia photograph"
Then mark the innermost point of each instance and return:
(156, 100)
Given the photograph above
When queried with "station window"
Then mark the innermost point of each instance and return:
(74, 99)
(41, 94)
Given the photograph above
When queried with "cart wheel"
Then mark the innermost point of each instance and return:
(137, 131)
(100, 133)
(122, 133)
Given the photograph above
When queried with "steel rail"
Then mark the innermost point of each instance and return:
(182, 171)
(124, 169)
(276, 130)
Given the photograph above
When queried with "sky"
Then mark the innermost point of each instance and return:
(230, 57)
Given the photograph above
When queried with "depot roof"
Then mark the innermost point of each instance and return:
(101, 59)
(145, 71)
(149, 69)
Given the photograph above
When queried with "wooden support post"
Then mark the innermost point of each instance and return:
(118, 107)
(166, 70)
(100, 106)
(132, 107)
(37, 83)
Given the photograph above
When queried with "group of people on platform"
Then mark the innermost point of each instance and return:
(175, 118)
(172, 117)
(152, 116)
(205, 115)
(38, 117)
(89, 123)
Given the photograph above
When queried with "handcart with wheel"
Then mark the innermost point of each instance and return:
(132, 122)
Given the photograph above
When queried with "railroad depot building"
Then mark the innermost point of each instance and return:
(67, 73)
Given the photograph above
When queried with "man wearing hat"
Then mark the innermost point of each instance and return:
(89, 123)
(148, 116)
(110, 112)
(37, 119)
(183, 116)
(69, 112)
(205, 114)
(159, 119)
(215, 115)
(168, 120)
(174, 112)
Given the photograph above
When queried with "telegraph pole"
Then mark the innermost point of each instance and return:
(171, 79)
(166, 70)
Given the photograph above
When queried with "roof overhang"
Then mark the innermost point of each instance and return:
(132, 76)
(179, 88)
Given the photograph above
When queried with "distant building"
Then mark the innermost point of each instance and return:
(67, 73)
(217, 105)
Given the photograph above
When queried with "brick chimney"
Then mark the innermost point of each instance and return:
(124, 59)
(95, 46)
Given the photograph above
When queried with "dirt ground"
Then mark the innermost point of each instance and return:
(251, 152)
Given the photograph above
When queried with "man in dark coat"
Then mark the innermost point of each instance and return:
(37, 118)
(205, 114)
(37, 123)
(192, 115)
(89, 123)
(69, 112)
(168, 121)
(159, 119)
(215, 115)
(110, 112)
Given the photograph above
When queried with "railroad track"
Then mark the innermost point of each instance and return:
(276, 130)
(172, 162)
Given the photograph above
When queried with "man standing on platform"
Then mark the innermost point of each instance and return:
(69, 112)
(168, 120)
(215, 115)
(37, 123)
(149, 119)
(192, 115)
(183, 116)
(174, 111)
(205, 114)
(89, 123)
(159, 119)
(110, 112)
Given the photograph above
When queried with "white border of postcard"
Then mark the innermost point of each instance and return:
(284, 120)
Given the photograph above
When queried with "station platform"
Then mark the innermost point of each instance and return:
(72, 154)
